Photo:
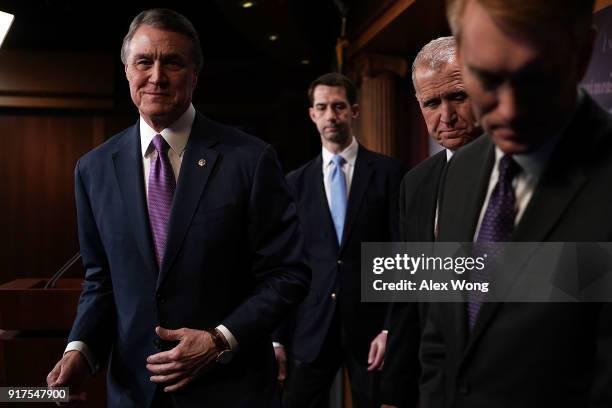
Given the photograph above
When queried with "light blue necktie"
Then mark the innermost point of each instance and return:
(338, 195)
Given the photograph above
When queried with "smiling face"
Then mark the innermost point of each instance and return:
(333, 116)
(445, 105)
(522, 85)
(161, 74)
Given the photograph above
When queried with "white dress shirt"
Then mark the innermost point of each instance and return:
(176, 135)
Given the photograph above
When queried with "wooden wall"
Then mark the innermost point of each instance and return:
(39, 150)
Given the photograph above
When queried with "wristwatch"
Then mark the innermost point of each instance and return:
(225, 352)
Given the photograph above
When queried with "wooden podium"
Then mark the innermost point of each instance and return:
(34, 325)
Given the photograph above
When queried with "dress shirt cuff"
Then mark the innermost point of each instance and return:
(233, 343)
(85, 351)
(276, 344)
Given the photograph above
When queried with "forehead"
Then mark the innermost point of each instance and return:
(153, 41)
(506, 49)
(430, 81)
(324, 93)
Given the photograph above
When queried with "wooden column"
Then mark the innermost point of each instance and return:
(379, 125)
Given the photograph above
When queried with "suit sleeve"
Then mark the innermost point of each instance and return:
(400, 377)
(96, 314)
(433, 355)
(281, 274)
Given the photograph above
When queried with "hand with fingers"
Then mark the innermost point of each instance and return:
(71, 371)
(376, 356)
(175, 368)
(281, 359)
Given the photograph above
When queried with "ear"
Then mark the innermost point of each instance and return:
(127, 75)
(311, 112)
(355, 111)
(195, 79)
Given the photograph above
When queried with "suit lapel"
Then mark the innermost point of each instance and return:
(316, 199)
(127, 161)
(553, 193)
(196, 167)
(458, 220)
(361, 178)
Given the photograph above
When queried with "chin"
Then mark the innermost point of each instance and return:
(513, 146)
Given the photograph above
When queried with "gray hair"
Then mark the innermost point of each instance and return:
(434, 55)
(168, 20)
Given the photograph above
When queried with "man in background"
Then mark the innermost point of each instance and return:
(446, 109)
(346, 195)
(190, 240)
(541, 173)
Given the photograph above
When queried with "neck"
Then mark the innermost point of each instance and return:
(161, 122)
(336, 147)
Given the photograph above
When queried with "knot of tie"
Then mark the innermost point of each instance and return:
(508, 169)
(160, 143)
(337, 160)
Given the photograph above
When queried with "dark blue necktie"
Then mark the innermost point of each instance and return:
(497, 226)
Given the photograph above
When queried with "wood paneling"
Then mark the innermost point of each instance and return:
(38, 152)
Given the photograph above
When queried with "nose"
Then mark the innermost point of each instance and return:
(448, 115)
(507, 103)
(157, 75)
(330, 114)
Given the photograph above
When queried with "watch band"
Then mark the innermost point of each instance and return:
(221, 343)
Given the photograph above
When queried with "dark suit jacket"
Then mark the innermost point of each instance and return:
(417, 209)
(371, 216)
(234, 257)
(528, 354)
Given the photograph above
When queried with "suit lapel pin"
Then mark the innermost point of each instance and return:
(202, 162)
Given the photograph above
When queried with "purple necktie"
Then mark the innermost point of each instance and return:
(161, 191)
(497, 226)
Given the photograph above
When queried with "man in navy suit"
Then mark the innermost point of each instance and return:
(190, 240)
(540, 174)
(447, 111)
(345, 196)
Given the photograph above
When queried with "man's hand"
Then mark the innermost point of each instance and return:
(281, 359)
(387, 406)
(71, 371)
(179, 366)
(376, 356)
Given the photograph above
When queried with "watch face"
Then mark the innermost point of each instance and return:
(224, 357)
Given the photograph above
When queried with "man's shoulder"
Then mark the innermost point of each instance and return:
(426, 168)
(300, 173)
(472, 154)
(110, 146)
(228, 139)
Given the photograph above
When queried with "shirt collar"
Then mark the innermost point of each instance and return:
(349, 154)
(176, 134)
(449, 154)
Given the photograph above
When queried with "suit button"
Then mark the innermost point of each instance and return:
(340, 262)
(333, 296)
(160, 298)
(157, 344)
(464, 387)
